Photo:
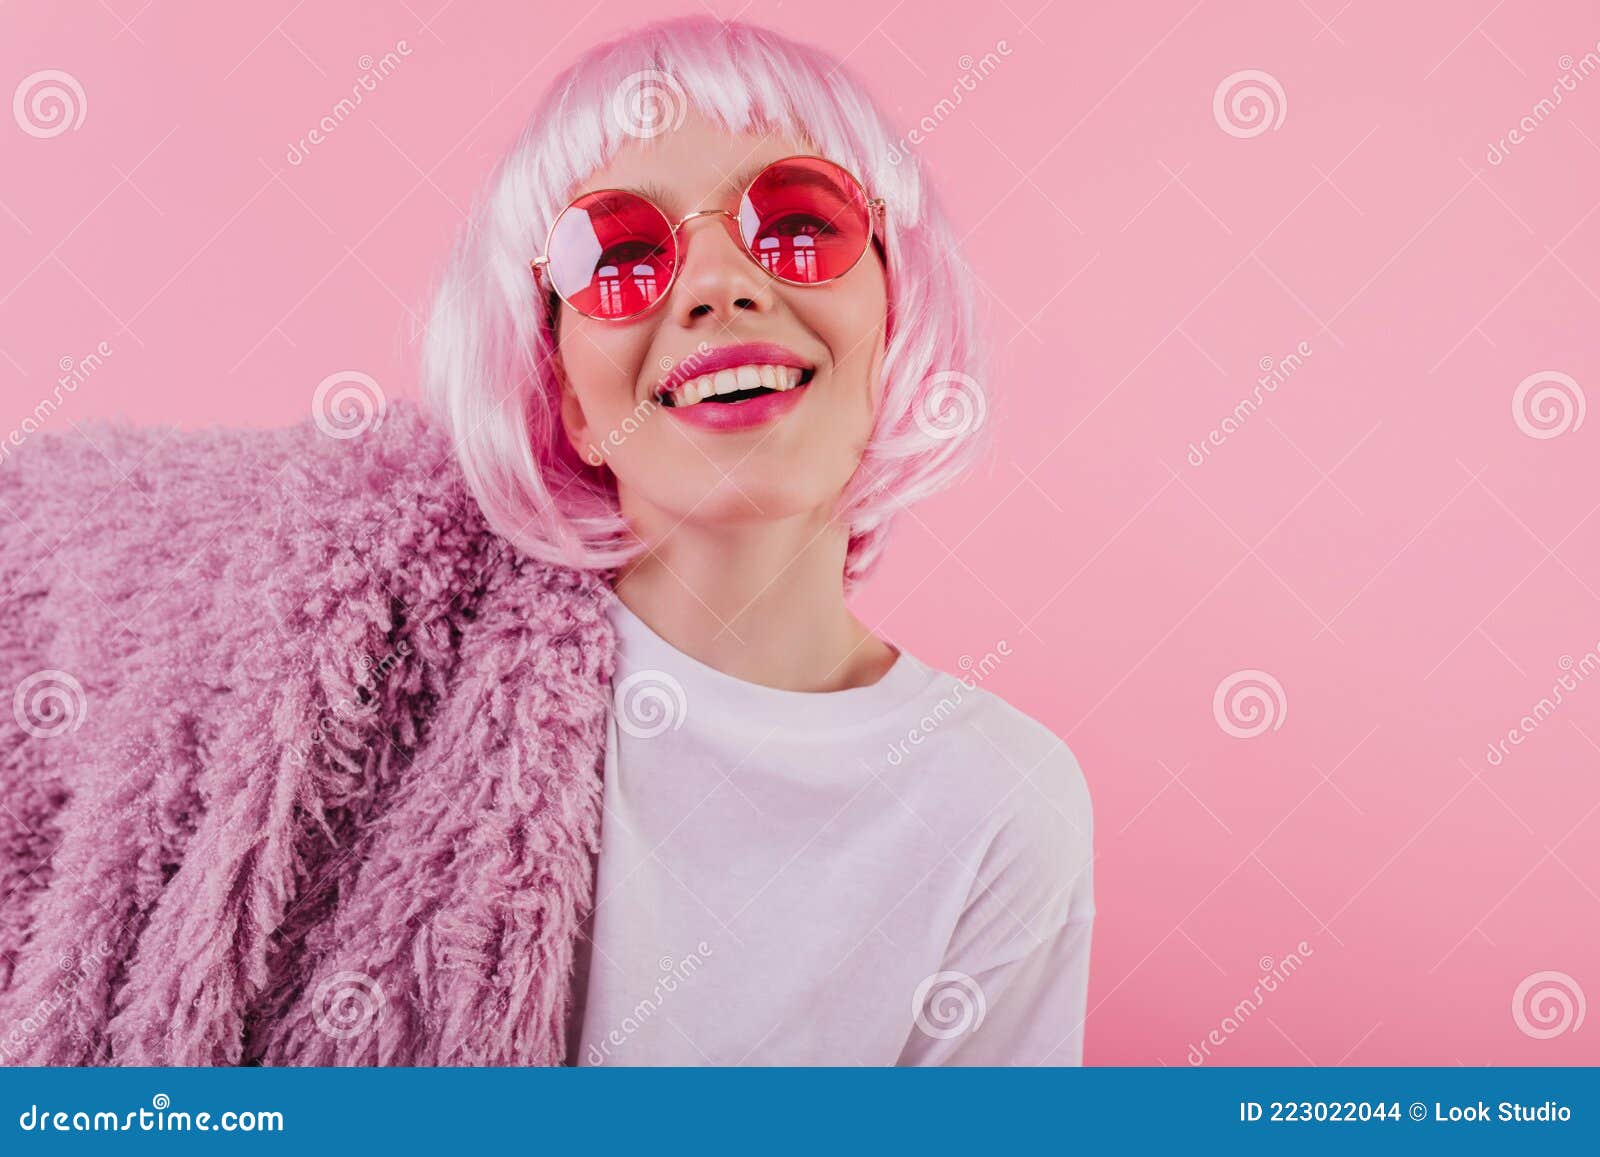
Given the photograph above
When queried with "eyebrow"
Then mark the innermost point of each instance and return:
(737, 182)
(653, 192)
(663, 198)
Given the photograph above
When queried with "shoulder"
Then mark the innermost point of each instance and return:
(1048, 797)
(1006, 757)
(1017, 787)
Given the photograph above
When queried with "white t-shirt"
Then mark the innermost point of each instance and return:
(892, 874)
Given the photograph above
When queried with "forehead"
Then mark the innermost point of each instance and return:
(696, 165)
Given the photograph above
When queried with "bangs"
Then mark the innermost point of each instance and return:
(738, 77)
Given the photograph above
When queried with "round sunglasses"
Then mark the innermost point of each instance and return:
(612, 254)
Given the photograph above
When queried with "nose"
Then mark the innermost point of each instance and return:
(717, 279)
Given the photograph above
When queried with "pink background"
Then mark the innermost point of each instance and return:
(1382, 536)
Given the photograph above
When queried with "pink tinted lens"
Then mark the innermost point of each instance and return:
(611, 254)
(805, 220)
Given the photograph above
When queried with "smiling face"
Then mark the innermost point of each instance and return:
(785, 440)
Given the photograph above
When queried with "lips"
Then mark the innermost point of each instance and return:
(732, 370)
(754, 410)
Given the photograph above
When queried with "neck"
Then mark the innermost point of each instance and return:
(761, 601)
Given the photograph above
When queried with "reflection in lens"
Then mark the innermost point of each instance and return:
(805, 220)
(611, 254)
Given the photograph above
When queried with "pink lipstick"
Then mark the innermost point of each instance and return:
(735, 387)
(739, 415)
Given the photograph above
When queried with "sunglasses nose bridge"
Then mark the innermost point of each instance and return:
(736, 237)
(727, 273)
(704, 213)
(677, 230)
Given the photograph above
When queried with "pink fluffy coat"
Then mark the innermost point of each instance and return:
(331, 793)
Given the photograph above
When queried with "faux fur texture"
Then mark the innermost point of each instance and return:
(331, 792)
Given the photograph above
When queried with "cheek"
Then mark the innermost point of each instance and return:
(603, 367)
(853, 327)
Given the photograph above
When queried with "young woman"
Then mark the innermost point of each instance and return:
(703, 337)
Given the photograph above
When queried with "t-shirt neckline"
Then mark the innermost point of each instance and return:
(642, 651)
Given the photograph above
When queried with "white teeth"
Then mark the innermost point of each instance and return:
(749, 377)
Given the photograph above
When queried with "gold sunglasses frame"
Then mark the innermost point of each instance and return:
(877, 220)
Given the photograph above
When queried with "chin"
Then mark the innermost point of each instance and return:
(751, 496)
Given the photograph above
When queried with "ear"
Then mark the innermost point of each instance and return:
(574, 422)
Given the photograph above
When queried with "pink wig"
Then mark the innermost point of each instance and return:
(488, 362)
